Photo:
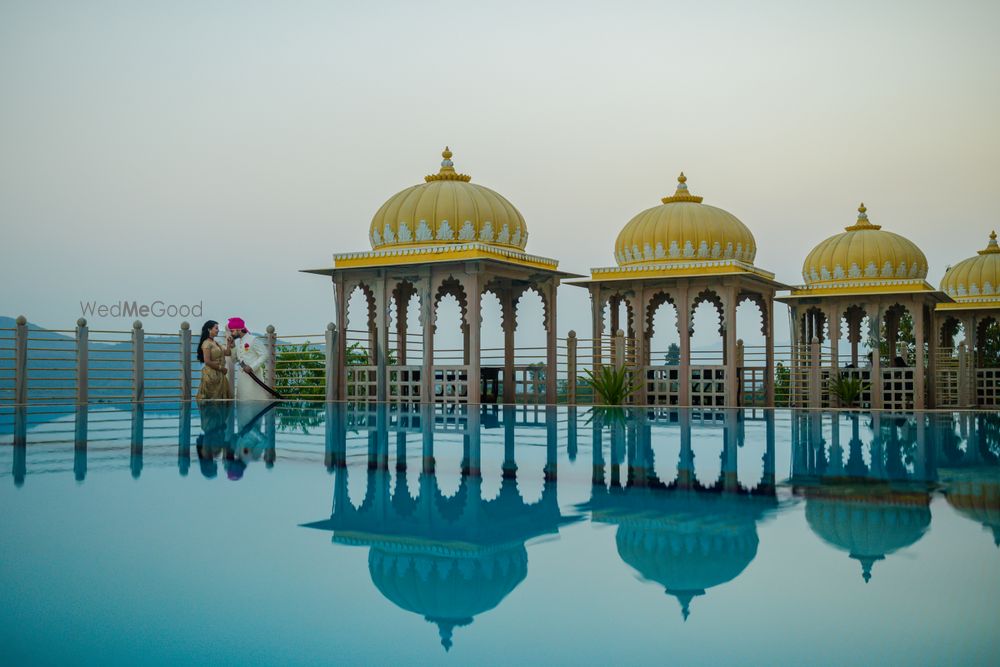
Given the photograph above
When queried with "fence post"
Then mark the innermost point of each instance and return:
(21, 361)
(619, 350)
(272, 354)
(185, 361)
(332, 376)
(138, 362)
(82, 338)
(814, 374)
(571, 344)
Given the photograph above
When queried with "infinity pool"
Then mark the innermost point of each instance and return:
(166, 534)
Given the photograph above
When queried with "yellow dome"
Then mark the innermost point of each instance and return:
(864, 252)
(975, 277)
(682, 229)
(447, 208)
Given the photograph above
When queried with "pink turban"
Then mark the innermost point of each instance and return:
(235, 323)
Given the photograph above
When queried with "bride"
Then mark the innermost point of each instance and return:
(214, 384)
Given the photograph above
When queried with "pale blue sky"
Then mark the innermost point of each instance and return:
(207, 151)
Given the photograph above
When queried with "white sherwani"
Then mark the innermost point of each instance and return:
(251, 351)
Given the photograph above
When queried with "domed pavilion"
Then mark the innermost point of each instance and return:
(445, 236)
(863, 274)
(972, 372)
(683, 252)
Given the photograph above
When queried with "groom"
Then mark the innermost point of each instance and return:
(250, 357)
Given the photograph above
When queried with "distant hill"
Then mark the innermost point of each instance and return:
(52, 364)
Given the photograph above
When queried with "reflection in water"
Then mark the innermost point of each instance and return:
(682, 534)
(868, 509)
(970, 475)
(446, 558)
(866, 482)
(238, 433)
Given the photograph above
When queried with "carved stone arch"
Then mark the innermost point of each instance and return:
(452, 286)
(982, 329)
(896, 310)
(402, 293)
(712, 297)
(820, 313)
(629, 297)
(658, 299)
(542, 294)
(762, 305)
(369, 295)
(949, 329)
(854, 315)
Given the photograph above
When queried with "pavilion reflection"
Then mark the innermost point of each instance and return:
(873, 499)
(683, 534)
(970, 467)
(446, 558)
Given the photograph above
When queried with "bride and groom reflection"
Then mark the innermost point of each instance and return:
(235, 434)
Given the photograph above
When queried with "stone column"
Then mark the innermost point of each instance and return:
(642, 343)
(138, 362)
(919, 374)
(933, 343)
(381, 338)
(21, 361)
(875, 319)
(614, 304)
(509, 317)
(854, 335)
(473, 290)
(427, 313)
(732, 383)
(684, 332)
(82, 359)
(185, 336)
(551, 344)
(571, 368)
(332, 362)
(402, 303)
(834, 319)
(769, 398)
(271, 364)
(340, 304)
(596, 324)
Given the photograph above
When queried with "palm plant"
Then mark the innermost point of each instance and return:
(847, 389)
(613, 386)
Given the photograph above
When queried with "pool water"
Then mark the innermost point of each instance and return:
(291, 534)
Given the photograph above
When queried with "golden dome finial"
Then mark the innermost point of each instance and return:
(447, 172)
(992, 247)
(681, 194)
(862, 222)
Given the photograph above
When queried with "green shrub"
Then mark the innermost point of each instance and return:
(613, 386)
(847, 389)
